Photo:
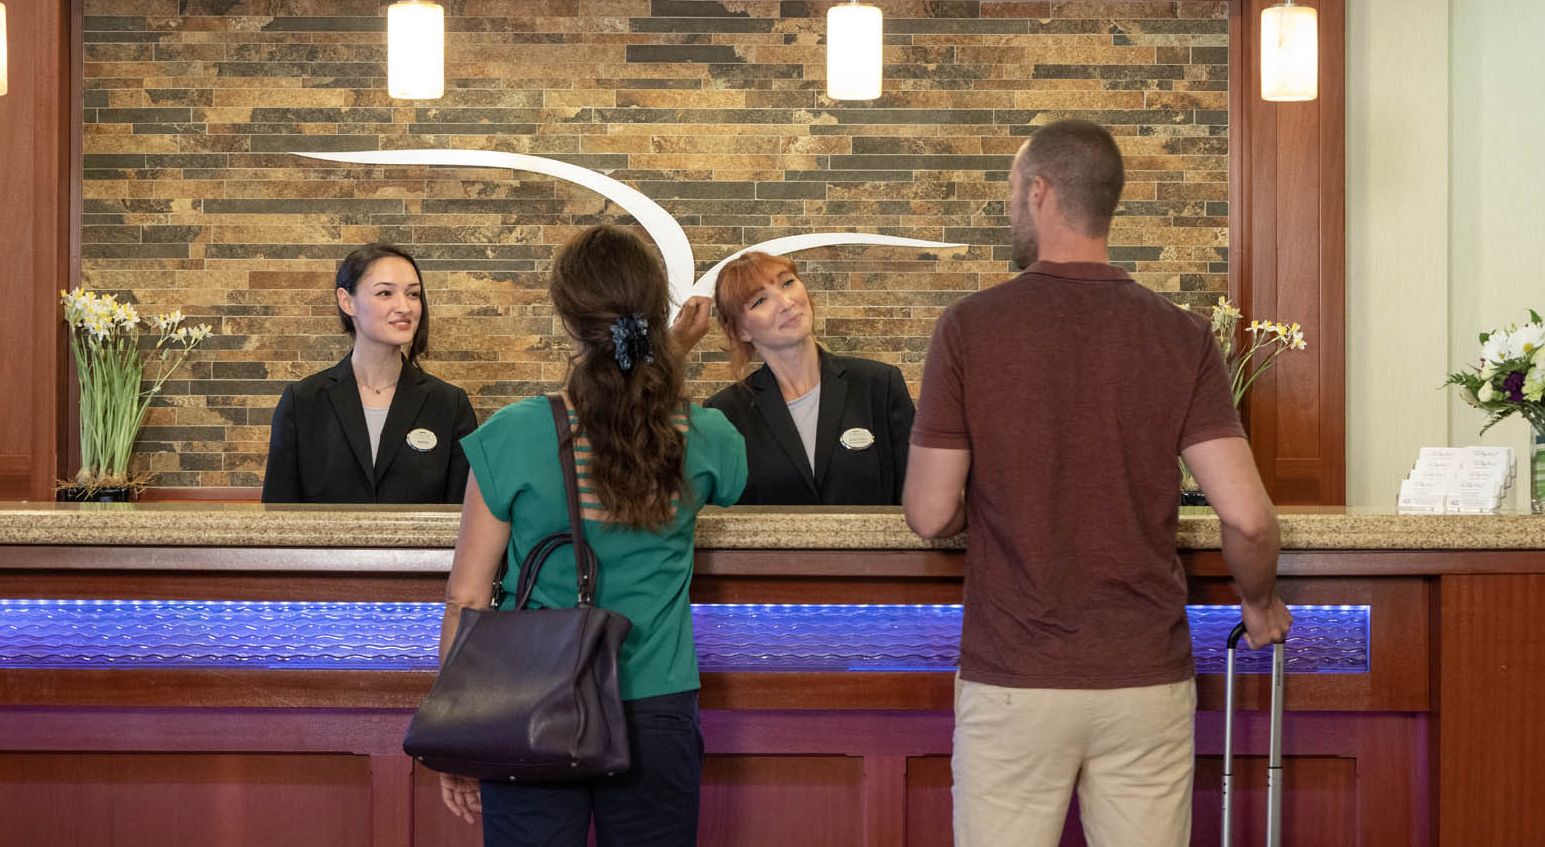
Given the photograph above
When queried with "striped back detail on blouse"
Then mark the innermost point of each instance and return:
(590, 506)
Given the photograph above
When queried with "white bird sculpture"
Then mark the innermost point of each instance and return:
(662, 227)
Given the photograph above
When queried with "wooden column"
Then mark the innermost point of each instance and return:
(37, 124)
(1287, 256)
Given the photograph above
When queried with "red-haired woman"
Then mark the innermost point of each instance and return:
(820, 429)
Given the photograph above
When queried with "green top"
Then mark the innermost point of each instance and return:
(643, 575)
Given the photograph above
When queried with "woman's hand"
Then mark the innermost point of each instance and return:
(479, 548)
(462, 796)
(691, 323)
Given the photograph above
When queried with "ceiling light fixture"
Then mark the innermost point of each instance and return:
(415, 50)
(1290, 52)
(5, 84)
(855, 40)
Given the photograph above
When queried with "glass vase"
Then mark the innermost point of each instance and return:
(1537, 473)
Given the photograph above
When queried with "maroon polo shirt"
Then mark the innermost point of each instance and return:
(1075, 389)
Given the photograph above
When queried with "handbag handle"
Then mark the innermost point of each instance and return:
(584, 557)
(585, 563)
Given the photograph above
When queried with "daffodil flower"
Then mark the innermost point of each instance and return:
(1266, 341)
(116, 392)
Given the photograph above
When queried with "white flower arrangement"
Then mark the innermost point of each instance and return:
(1510, 377)
(114, 394)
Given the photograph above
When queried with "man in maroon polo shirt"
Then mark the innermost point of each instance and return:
(1053, 409)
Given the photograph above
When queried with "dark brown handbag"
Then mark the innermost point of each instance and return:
(531, 695)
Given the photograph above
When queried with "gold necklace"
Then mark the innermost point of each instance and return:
(378, 391)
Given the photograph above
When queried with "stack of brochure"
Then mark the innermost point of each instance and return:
(1457, 481)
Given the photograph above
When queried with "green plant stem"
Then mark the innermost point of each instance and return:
(1259, 369)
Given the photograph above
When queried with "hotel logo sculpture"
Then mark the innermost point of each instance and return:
(661, 226)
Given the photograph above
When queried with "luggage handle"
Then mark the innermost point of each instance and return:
(1274, 755)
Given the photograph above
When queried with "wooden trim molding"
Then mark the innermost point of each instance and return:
(36, 122)
(193, 493)
(67, 403)
(1287, 257)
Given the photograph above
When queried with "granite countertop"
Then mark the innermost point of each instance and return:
(830, 528)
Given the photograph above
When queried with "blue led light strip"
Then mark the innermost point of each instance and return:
(730, 637)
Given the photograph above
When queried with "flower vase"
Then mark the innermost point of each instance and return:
(84, 494)
(1537, 473)
(1190, 493)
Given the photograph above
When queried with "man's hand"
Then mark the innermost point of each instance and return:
(1266, 624)
(691, 323)
(462, 795)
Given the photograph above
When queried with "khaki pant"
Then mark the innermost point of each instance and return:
(1020, 752)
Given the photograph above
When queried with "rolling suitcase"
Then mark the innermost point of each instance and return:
(1274, 756)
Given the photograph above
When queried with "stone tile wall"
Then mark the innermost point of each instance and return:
(715, 108)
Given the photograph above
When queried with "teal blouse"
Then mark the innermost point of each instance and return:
(643, 575)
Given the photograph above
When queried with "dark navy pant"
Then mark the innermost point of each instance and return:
(652, 804)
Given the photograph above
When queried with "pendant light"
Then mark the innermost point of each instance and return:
(1290, 52)
(415, 50)
(855, 38)
(5, 59)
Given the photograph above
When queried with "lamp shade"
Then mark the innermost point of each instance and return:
(855, 38)
(1290, 53)
(415, 50)
(5, 59)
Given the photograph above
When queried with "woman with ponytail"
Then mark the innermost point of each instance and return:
(647, 461)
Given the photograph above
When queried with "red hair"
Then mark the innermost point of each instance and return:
(738, 280)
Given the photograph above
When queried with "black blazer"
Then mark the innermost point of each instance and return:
(855, 393)
(319, 448)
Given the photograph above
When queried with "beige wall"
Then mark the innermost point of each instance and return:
(1445, 217)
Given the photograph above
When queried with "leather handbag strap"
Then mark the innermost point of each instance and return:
(525, 582)
(584, 558)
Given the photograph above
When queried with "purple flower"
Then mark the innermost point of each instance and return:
(1514, 386)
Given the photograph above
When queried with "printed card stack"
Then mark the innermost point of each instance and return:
(1457, 481)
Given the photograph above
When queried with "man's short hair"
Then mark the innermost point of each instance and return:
(1082, 162)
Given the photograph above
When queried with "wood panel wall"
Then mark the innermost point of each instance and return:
(257, 800)
(1287, 259)
(1492, 679)
(295, 778)
(36, 127)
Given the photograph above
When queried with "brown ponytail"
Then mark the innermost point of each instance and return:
(603, 275)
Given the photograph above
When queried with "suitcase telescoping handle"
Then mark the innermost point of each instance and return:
(1274, 758)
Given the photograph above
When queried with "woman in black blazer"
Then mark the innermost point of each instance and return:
(373, 428)
(820, 429)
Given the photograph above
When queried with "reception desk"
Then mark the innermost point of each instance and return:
(243, 675)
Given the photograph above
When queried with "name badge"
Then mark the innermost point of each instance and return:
(857, 438)
(422, 440)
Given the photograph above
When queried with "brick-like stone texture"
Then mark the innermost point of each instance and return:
(715, 108)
